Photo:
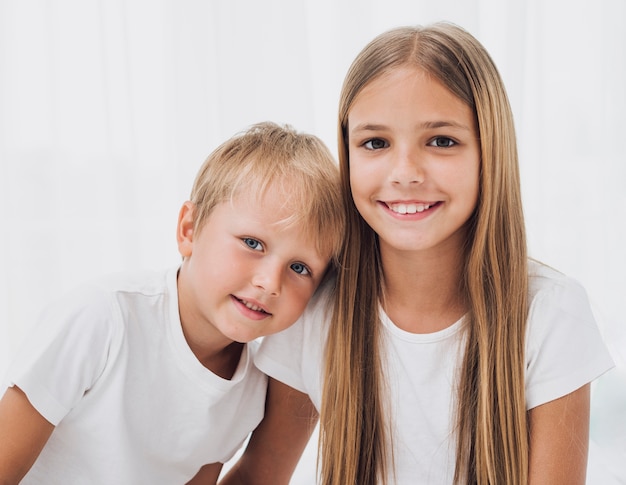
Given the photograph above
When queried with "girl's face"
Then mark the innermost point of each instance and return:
(414, 161)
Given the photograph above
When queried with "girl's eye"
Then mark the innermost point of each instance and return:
(375, 144)
(442, 142)
(300, 269)
(253, 243)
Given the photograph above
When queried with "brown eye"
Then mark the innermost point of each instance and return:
(442, 142)
(375, 144)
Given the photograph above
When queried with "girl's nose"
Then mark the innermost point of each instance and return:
(407, 168)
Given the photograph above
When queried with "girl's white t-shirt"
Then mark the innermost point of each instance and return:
(564, 351)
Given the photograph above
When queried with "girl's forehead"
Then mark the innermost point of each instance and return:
(408, 95)
(396, 83)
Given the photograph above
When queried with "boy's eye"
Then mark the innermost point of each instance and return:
(300, 269)
(253, 243)
(442, 142)
(375, 144)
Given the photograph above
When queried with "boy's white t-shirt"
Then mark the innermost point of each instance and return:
(110, 367)
(564, 351)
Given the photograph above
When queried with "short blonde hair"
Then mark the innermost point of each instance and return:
(268, 156)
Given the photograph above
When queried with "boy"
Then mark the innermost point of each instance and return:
(149, 377)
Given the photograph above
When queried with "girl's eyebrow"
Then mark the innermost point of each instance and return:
(367, 127)
(444, 124)
(425, 125)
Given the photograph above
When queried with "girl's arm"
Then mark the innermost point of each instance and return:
(277, 444)
(559, 440)
(23, 434)
(207, 475)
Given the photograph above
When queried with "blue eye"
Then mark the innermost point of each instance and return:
(300, 269)
(442, 142)
(253, 243)
(375, 144)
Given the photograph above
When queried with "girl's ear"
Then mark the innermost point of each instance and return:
(184, 229)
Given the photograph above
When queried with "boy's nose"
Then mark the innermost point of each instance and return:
(269, 278)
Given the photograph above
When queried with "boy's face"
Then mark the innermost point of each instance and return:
(246, 274)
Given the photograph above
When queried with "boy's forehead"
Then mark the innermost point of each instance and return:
(281, 203)
(289, 201)
(273, 200)
(254, 190)
(278, 211)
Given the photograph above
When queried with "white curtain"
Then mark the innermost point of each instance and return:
(108, 108)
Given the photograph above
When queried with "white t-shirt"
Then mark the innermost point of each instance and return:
(110, 367)
(564, 351)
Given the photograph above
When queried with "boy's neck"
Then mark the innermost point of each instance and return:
(225, 362)
(220, 359)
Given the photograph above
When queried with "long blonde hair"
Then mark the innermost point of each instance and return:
(491, 431)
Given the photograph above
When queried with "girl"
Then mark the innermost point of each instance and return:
(448, 356)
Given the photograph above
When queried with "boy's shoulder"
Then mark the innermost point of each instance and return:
(101, 296)
(142, 281)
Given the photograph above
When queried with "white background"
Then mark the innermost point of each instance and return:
(108, 108)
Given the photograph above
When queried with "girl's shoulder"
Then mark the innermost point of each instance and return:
(321, 304)
(564, 347)
(547, 282)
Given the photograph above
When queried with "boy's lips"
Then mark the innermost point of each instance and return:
(252, 305)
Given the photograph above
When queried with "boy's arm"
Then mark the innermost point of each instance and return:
(559, 440)
(277, 444)
(23, 434)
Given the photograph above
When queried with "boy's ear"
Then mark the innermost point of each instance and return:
(184, 229)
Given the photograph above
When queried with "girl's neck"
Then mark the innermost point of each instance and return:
(423, 290)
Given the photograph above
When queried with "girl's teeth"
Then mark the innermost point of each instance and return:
(409, 208)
